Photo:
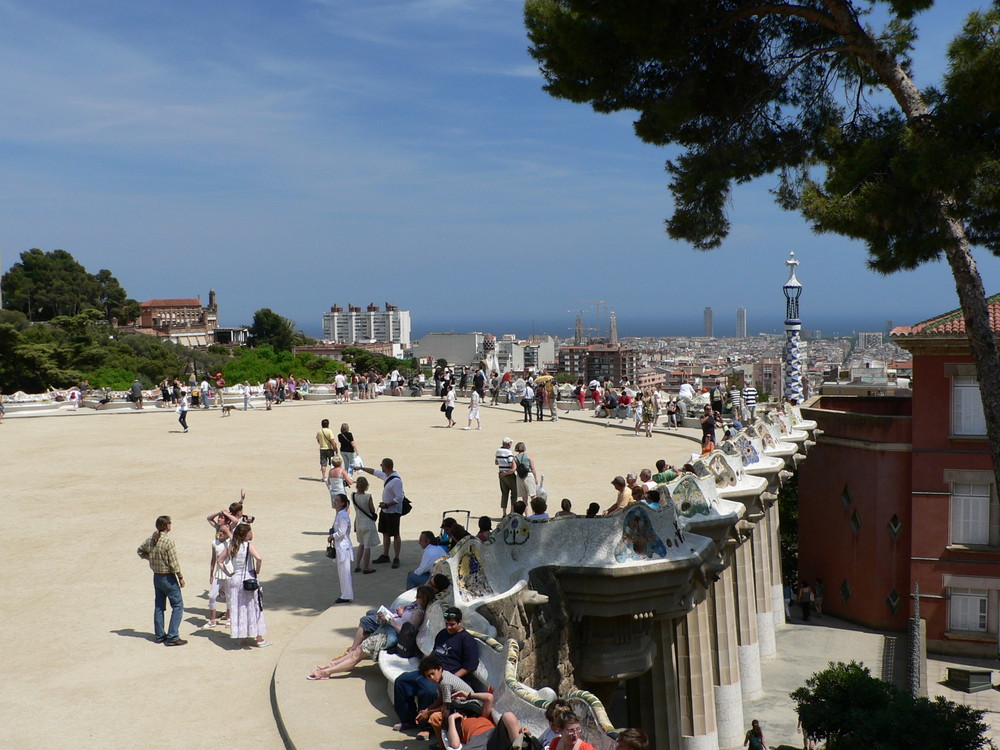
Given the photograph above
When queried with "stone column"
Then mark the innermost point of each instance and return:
(725, 661)
(694, 681)
(777, 580)
(748, 651)
(666, 699)
(762, 585)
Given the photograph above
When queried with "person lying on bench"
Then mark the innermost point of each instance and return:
(467, 732)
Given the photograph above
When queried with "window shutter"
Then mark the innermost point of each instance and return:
(970, 514)
(968, 417)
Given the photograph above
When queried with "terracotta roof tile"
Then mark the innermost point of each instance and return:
(950, 323)
(190, 302)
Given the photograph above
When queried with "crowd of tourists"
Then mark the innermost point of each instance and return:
(439, 697)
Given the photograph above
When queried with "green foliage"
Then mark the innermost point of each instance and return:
(364, 360)
(270, 329)
(46, 285)
(112, 378)
(68, 348)
(565, 377)
(257, 365)
(851, 710)
(788, 525)
(750, 89)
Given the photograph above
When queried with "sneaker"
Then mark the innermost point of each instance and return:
(176, 642)
(381, 559)
(395, 562)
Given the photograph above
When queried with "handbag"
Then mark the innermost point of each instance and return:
(444, 406)
(250, 584)
(407, 505)
(540, 492)
(331, 551)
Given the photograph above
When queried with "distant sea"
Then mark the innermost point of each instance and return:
(646, 327)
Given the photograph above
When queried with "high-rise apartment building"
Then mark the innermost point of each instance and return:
(869, 339)
(709, 329)
(741, 322)
(391, 325)
(598, 362)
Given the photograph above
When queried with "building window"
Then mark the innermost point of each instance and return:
(895, 528)
(968, 609)
(893, 601)
(970, 513)
(845, 497)
(967, 416)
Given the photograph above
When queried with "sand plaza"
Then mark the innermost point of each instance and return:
(83, 490)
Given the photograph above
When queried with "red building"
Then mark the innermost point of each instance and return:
(900, 491)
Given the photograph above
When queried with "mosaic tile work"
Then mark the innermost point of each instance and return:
(517, 531)
(746, 450)
(724, 475)
(639, 540)
(472, 578)
(689, 499)
(701, 469)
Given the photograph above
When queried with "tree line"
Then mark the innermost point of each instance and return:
(57, 330)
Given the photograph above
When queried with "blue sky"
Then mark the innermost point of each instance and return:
(294, 155)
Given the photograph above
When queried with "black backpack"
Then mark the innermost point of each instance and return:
(406, 644)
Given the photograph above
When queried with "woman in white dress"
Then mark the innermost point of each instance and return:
(340, 537)
(365, 526)
(246, 608)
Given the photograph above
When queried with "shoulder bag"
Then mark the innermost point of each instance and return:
(361, 510)
(251, 583)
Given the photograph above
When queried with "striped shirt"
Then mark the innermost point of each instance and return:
(750, 396)
(162, 556)
(735, 398)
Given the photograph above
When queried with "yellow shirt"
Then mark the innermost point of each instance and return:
(162, 556)
(325, 439)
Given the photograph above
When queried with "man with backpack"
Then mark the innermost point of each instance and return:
(391, 507)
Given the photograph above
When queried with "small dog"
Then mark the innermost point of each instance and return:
(227, 410)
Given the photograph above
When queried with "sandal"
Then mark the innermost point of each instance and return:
(317, 677)
(373, 570)
(357, 569)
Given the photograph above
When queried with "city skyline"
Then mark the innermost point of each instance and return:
(291, 156)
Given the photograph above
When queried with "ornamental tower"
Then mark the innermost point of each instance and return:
(792, 381)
